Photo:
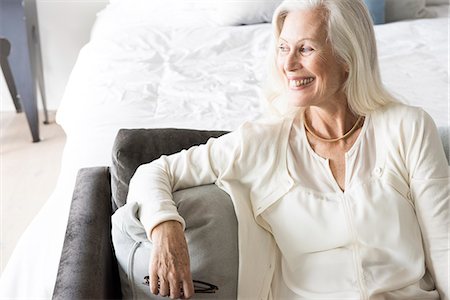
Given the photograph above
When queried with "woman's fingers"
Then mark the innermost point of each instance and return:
(169, 265)
(154, 286)
(164, 287)
(175, 289)
(188, 289)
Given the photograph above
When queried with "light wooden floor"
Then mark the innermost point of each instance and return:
(28, 174)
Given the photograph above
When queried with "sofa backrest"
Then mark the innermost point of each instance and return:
(133, 147)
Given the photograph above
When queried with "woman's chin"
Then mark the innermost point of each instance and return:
(295, 101)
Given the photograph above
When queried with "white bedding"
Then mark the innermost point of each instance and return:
(135, 74)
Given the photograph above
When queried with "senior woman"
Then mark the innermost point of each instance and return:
(340, 193)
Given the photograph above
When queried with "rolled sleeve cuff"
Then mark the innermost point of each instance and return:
(150, 221)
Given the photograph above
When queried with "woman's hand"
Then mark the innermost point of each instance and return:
(170, 273)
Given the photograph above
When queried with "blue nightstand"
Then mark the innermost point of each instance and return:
(19, 27)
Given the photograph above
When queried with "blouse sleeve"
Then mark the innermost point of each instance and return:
(429, 184)
(152, 184)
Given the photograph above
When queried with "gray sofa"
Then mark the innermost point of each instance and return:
(88, 268)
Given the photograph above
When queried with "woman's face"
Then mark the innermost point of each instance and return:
(311, 72)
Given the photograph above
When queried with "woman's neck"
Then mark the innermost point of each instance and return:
(330, 122)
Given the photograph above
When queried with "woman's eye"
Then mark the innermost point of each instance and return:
(283, 48)
(306, 50)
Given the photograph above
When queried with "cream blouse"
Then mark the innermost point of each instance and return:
(382, 236)
(361, 243)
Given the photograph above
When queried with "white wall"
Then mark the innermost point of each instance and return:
(65, 27)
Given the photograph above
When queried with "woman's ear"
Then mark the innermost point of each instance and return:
(346, 68)
(346, 72)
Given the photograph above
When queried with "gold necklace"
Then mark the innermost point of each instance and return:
(335, 139)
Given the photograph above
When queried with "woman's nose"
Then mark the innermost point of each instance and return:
(292, 62)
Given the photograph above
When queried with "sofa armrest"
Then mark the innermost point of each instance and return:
(88, 268)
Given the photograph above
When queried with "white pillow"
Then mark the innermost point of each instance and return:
(437, 2)
(165, 13)
(397, 10)
(239, 12)
(244, 12)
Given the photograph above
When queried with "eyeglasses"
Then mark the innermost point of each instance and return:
(200, 287)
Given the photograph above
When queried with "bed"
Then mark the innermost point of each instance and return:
(190, 67)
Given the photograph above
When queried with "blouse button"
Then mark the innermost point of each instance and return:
(378, 171)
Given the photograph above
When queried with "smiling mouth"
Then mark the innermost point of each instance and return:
(299, 83)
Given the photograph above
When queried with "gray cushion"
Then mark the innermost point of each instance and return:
(134, 147)
(211, 225)
(211, 232)
(397, 10)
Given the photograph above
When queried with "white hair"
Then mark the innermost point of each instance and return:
(352, 38)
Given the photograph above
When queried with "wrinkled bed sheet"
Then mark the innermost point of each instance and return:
(135, 74)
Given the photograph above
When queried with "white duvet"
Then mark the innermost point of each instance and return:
(135, 73)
